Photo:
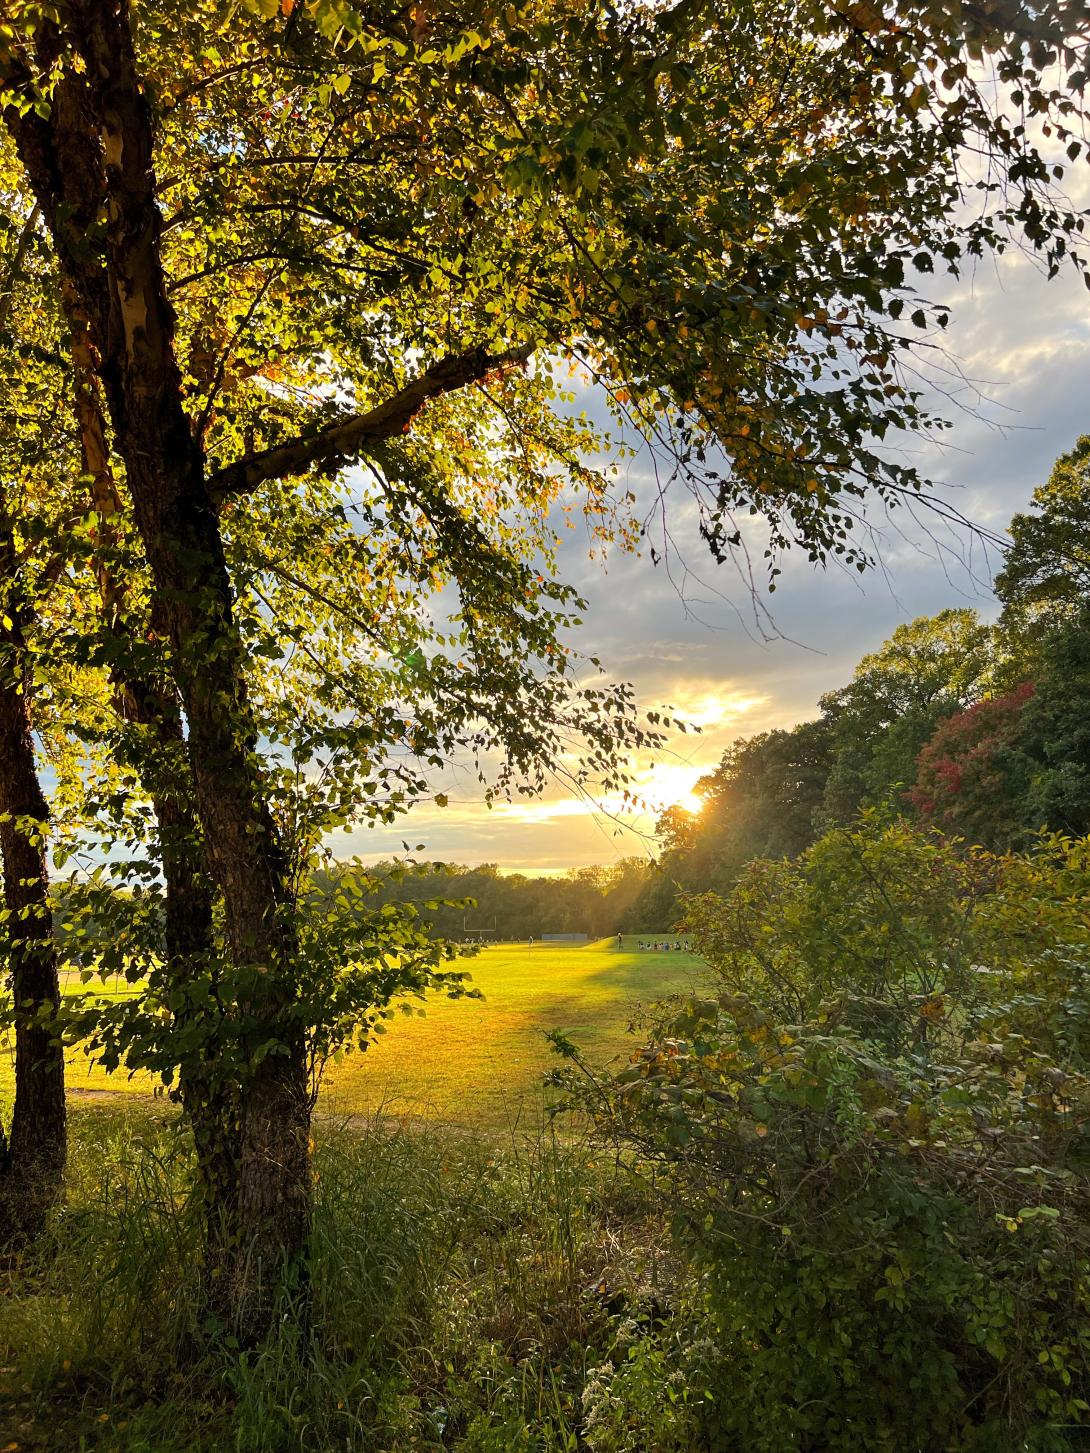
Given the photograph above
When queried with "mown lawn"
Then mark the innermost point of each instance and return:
(476, 1062)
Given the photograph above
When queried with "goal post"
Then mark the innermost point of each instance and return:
(474, 931)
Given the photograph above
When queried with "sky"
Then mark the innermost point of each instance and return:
(690, 641)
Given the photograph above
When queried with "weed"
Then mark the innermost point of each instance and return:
(466, 1294)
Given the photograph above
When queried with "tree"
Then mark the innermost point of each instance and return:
(928, 669)
(760, 801)
(971, 776)
(1016, 764)
(85, 676)
(32, 1157)
(38, 717)
(1054, 736)
(1046, 575)
(292, 234)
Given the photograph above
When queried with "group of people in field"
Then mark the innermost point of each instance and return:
(662, 946)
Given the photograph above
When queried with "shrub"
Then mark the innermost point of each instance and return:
(873, 1138)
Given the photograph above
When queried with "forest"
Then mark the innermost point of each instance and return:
(486, 905)
(321, 323)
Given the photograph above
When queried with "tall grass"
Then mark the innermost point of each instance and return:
(465, 1295)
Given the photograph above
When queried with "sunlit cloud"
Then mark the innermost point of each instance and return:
(665, 785)
(700, 706)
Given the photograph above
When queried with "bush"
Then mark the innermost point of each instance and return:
(874, 1143)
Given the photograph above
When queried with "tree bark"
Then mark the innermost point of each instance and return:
(152, 704)
(93, 156)
(34, 1157)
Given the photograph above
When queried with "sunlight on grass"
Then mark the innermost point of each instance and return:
(473, 1061)
(470, 1061)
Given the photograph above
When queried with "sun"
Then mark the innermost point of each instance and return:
(672, 785)
(690, 803)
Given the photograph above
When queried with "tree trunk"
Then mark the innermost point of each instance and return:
(34, 1156)
(92, 158)
(209, 1104)
(189, 947)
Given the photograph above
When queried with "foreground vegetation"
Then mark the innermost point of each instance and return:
(838, 1201)
(875, 1136)
(492, 1295)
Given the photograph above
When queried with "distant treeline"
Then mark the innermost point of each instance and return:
(595, 901)
(981, 730)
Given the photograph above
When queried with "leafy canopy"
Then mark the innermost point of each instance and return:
(727, 213)
(1046, 574)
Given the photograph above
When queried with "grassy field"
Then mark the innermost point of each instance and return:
(476, 1062)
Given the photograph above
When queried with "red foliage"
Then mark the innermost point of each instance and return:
(961, 779)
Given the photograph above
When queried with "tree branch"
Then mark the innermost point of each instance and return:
(341, 442)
